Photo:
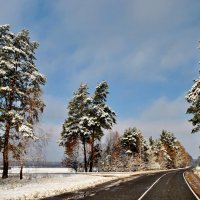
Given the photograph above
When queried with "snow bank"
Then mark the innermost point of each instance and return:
(44, 187)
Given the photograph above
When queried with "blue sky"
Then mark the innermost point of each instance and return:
(145, 49)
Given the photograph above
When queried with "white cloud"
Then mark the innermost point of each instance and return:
(129, 40)
(163, 108)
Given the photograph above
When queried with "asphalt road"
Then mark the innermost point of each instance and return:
(158, 186)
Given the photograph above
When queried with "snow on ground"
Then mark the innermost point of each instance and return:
(36, 188)
(16, 170)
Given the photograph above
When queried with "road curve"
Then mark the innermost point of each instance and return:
(158, 186)
(171, 186)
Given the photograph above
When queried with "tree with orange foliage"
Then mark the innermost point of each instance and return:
(168, 141)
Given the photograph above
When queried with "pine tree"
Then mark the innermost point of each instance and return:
(87, 117)
(136, 147)
(20, 88)
(152, 153)
(193, 98)
(182, 158)
(168, 141)
(132, 140)
(73, 128)
(99, 117)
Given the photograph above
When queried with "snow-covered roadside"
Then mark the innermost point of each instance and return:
(49, 186)
(37, 188)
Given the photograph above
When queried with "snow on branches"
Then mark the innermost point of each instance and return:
(87, 117)
(193, 97)
(20, 86)
(131, 139)
(20, 89)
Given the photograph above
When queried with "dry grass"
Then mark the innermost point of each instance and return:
(194, 181)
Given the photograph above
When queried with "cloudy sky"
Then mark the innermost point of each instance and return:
(145, 49)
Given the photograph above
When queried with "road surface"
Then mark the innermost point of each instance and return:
(158, 186)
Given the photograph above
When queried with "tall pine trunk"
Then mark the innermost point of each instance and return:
(85, 157)
(5, 152)
(92, 153)
(7, 133)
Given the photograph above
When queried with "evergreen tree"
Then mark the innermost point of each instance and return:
(132, 140)
(145, 151)
(99, 117)
(193, 98)
(168, 138)
(168, 141)
(182, 158)
(87, 117)
(20, 88)
(73, 128)
(152, 153)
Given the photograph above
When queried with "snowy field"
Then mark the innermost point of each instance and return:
(16, 170)
(36, 188)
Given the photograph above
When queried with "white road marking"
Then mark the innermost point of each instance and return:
(190, 187)
(151, 186)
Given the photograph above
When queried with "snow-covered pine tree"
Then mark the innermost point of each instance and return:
(144, 150)
(169, 142)
(100, 116)
(20, 88)
(193, 98)
(152, 153)
(182, 158)
(87, 116)
(135, 145)
(160, 155)
(73, 128)
(132, 140)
